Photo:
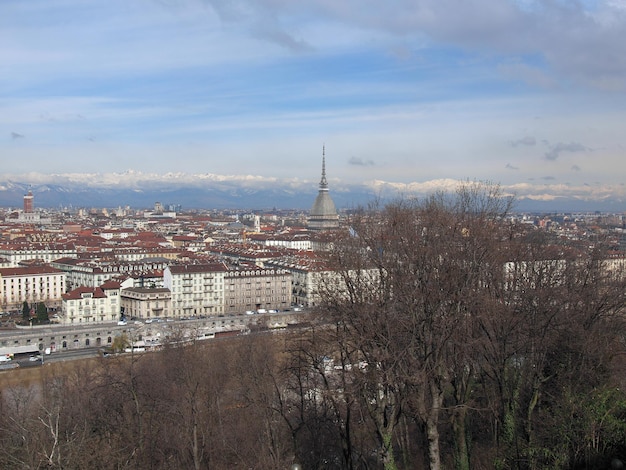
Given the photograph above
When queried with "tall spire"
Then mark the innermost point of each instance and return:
(323, 214)
(323, 182)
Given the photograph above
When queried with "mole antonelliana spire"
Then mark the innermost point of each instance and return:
(323, 182)
(323, 215)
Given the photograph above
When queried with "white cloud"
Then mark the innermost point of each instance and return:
(426, 90)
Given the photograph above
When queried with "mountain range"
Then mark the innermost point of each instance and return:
(210, 191)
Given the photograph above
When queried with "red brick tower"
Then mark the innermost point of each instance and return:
(28, 202)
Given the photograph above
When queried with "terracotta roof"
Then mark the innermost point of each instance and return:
(29, 271)
(77, 294)
(110, 284)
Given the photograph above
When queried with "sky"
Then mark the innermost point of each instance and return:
(527, 94)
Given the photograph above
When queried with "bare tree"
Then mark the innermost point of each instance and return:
(408, 321)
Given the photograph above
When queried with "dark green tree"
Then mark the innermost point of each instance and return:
(42, 313)
(25, 311)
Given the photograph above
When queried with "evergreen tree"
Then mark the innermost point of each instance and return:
(42, 313)
(26, 311)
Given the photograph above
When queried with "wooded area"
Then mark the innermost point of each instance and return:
(448, 338)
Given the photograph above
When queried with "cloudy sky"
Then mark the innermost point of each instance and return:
(529, 94)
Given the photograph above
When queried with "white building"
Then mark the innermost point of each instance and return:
(16, 253)
(197, 289)
(92, 273)
(90, 305)
(31, 284)
(144, 303)
(291, 240)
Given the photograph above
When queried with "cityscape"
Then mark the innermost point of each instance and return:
(312, 235)
(143, 285)
(136, 261)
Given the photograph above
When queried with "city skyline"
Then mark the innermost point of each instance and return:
(416, 97)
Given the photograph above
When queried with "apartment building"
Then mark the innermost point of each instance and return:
(144, 303)
(92, 273)
(297, 240)
(197, 289)
(256, 289)
(17, 252)
(90, 305)
(31, 284)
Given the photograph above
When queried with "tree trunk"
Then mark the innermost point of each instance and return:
(389, 462)
(460, 438)
(432, 428)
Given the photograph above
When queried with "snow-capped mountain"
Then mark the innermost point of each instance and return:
(197, 191)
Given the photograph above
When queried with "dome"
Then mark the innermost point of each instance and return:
(323, 206)
(323, 214)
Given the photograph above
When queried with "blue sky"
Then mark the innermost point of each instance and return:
(528, 94)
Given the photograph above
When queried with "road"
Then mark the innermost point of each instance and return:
(59, 356)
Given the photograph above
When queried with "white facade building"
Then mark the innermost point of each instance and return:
(144, 303)
(90, 305)
(17, 253)
(31, 284)
(197, 289)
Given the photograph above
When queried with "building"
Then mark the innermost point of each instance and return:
(31, 284)
(144, 303)
(290, 240)
(257, 289)
(28, 203)
(306, 269)
(323, 214)
(28, 214)
(92, 273)
(90, 305)
(18, 252)
(197, 289)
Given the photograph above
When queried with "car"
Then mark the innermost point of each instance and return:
(34, 358)
(249, 312)
(122, 323)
